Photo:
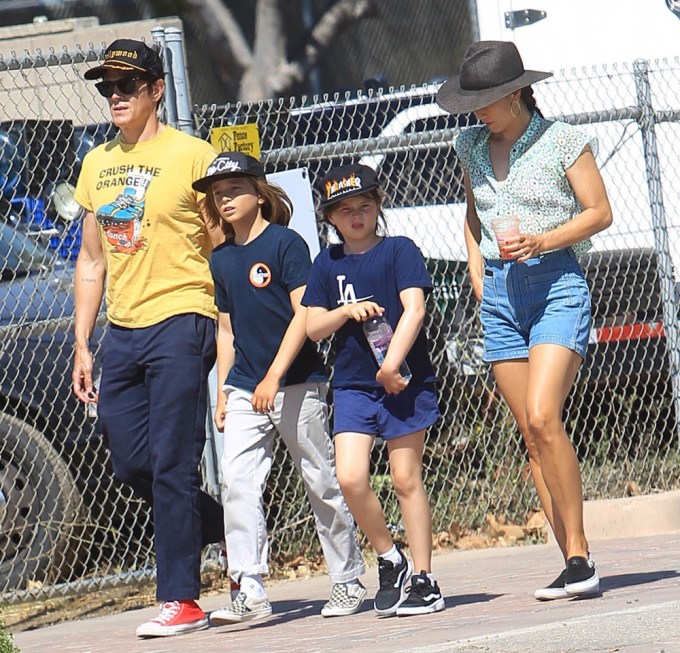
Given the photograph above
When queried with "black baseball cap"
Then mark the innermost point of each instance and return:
(131, 56)
(346, 181)
(229, 164)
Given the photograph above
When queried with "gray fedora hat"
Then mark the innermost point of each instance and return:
(490, 70)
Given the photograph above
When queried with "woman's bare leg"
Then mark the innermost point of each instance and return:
(512, 378)
(552, 371)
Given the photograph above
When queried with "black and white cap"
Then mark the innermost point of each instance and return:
(346, 181)
(229, 164)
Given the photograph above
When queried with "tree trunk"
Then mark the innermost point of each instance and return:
(269, 52)
(271, 74)
(228, 47)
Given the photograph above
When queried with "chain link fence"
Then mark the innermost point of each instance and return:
(68, 526)
(622, 413)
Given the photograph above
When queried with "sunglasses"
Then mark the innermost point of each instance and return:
(124, 86)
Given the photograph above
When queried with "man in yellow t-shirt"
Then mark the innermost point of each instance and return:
(144, 236)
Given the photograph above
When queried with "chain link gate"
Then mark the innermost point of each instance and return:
(67, 526)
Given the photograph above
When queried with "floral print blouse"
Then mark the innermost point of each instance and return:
(536, 188)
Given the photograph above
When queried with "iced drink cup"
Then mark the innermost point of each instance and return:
(505, 228)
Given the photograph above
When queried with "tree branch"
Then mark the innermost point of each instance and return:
(269, 51)
(341, 15)
(223, 29)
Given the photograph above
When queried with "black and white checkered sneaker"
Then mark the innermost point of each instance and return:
(243, 608)
(345, 599)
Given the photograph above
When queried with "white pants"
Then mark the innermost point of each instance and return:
(300, 417)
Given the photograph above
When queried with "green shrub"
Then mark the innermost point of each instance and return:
(6, 643)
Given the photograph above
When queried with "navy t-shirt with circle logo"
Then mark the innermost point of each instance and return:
(253, 283)
(378, 275)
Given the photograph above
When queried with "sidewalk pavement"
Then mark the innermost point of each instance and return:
(489, 608)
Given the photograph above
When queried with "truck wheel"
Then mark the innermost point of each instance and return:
(39, 506)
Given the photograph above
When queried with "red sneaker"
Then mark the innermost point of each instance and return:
(175, 617)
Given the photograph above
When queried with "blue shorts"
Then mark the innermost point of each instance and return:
(543, 300)
(374, 412)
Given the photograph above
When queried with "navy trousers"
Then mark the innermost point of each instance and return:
(152, 407)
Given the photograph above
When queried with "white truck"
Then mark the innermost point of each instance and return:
(598, 43)
(620, 57)
(591, 47)
(594, 49)
(409, 140)
(553, 34)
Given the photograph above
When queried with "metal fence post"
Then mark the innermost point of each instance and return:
(169, 101)
(660, 229)
(185, 122)
(212, 451)
(185, 116)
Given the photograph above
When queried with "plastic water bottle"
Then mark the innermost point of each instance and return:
(379, 335)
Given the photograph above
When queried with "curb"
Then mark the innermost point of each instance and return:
(641, 516)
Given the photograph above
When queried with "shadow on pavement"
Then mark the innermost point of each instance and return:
(288, 611)
(467, 599)
(626, 580)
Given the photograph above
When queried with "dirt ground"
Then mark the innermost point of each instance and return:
(35, 614)
(111, 600)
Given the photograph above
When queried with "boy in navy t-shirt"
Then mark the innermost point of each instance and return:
(273, 383)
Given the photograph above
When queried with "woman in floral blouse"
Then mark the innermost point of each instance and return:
(535, 306)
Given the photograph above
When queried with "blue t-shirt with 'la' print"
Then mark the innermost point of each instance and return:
(378, 275)
(253, 283)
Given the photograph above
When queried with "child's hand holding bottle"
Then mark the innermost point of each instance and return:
(379, 335)
(362, 311)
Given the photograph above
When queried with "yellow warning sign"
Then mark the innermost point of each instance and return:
(239, 138)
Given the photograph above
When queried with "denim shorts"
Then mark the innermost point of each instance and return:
(375, 412)
(542, 300)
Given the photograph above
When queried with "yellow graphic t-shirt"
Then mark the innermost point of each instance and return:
(155, 241)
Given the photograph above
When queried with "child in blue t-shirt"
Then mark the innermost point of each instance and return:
(273, 383)
(369, 275)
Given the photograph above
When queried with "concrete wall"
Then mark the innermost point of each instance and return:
(59, 91)
(639, 516)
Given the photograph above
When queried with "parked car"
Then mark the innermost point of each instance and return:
(58, 501)
(39, 165)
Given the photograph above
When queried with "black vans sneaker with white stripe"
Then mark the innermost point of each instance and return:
(393, 580)
(423, 597)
